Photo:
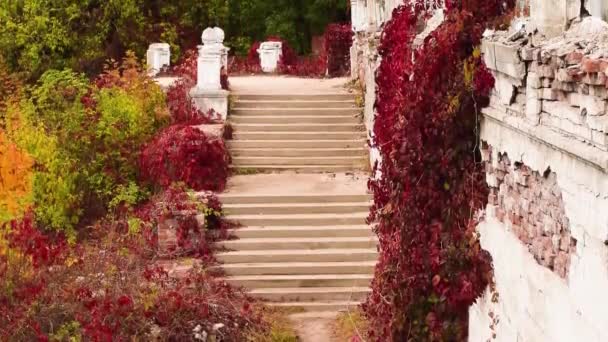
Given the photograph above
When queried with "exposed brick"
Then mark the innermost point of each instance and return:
(574, 57)
(590, 65)
(532, 206)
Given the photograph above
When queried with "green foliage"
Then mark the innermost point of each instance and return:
(85, 140)
(40, 34)
(46, 126)
(37, 35)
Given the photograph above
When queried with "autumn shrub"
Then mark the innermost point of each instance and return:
(109, 288)
(10, 88)
(16, 171)
(183, 153)
(305, 66)
(85, 139)
(431, 266)
(337, 40)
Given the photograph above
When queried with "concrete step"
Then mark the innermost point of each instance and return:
(275, 135)
(296, 127)
(292, 268)
(318, 306)
(332, 160)
(240, 144)
(294, 103)
(299, 243)
(293, 97)
(355, 218)
(294, 119)
(325, 315)
(305, 231)
(311, 294)
(301, 281)
(298, 152)
(299, 168)
(294, 111)
(228, 198)
(299, 255)
(297, 208)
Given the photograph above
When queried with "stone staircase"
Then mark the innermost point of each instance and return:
(308, 133)
(306, 252)
(303, 243)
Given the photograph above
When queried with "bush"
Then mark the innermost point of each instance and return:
(109, 288)
(338, 39)
(431, 266)
(85, 140)
(15, 180)
(185, 154)
(10, 86)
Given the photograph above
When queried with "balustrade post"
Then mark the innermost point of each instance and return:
(212, 61)
(157, 57)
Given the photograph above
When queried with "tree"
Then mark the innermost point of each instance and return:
(37, 35)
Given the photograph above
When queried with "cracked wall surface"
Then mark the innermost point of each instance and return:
(545, 138)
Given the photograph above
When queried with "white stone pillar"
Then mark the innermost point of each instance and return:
(551, 17)
(598, 8)
(212, 57)
(157, 57)
(270, 54)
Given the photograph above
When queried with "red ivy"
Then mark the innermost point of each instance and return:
(338, 39)
(431, 266)
(183, 153)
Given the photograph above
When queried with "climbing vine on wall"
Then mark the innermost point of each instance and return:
(431, 266)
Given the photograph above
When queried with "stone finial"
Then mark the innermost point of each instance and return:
(209, 36)
(219, 35)
(213, 35)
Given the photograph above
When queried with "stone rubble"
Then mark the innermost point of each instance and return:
(560, 82)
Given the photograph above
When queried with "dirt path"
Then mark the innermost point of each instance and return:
(314, 329)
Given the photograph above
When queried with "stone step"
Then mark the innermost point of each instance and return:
(231, 198)
(329, 306)
(325, 315)
(239, 103)
(301, 281)
(294, 119)
(297, 208)
(293, 97)
(299, 255)
(354, 218)
(298, 152)
(238, 128)
(299, 243)
(257, 144)
(294, 111)
(292, 268)
(276, 135)
(328, 160)
(311, 294)
(261, 168)
(305, 231)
